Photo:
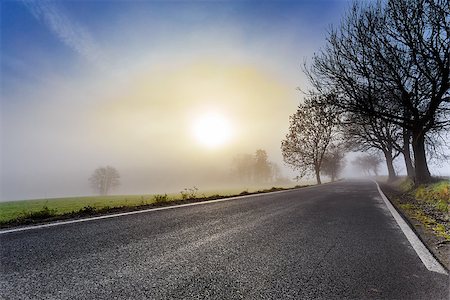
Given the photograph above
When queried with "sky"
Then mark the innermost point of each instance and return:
(126, 83)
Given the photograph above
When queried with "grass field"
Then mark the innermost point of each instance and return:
(14, 209)
(43, 208)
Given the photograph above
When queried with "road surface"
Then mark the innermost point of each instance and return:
(336, 241)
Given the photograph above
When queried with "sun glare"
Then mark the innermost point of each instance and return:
(212, 130)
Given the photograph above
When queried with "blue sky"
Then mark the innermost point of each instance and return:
(90, 83)
(31, 45)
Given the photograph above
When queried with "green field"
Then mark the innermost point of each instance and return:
(14, 210)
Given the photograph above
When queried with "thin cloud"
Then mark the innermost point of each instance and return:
(71, 33)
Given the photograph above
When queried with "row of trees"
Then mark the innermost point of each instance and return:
(367, 163)
(255, 168)
(381, 83)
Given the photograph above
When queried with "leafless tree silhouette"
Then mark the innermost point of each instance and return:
(104, 179)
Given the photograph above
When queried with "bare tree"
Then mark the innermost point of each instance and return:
(312, 128)
(104, 179)
(373, 133)
(368, 163)
(401, 51)
(333, 161)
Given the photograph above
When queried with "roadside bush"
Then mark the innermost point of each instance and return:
(160, 198)
(189, 193)
(87, 210)
(44, 213)
(244, 193)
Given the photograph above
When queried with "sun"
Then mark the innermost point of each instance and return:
(212, 130)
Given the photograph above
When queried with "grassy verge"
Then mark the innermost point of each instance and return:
(430, 205)
(427, 208)
(25, 212)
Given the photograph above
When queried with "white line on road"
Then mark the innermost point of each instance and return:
(422, 251)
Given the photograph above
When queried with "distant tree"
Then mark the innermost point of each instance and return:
(243, 165)
(262, 170)
(275, 172)
(368, 163)
(312, 129)
(104, 179)
(363, 134)
(333, 162)
(255, 168)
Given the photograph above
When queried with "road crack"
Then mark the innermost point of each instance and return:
(320, 261)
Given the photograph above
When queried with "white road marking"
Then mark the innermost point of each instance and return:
(422, 251)
(137, 212)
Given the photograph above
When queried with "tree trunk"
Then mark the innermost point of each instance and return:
(407, 153)
(422, 173)
(390, 165)
(317, 170)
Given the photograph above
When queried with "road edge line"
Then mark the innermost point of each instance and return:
(58, 223)
(430, 262)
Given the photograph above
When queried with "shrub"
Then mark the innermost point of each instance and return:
(160, 198)
(87, 210)
(44, 213)
(189, 193)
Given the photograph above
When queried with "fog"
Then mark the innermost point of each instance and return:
(125, 88)
(144, 130)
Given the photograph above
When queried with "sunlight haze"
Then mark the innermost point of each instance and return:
(167, 92)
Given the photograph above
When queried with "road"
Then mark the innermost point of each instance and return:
(335, 241)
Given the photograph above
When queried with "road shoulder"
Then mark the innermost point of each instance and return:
(437, 245)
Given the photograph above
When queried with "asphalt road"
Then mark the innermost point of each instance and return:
(335, 241)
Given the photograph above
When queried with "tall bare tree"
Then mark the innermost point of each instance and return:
(104, 179)
(311, 130)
